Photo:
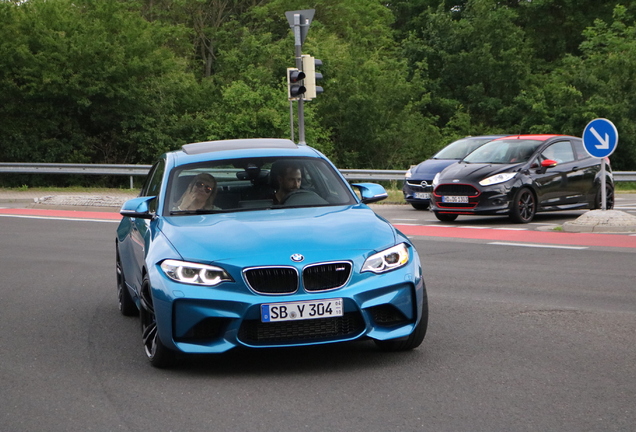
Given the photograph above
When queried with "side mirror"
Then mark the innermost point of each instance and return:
(549, 163)
(137, 208)
(370, 192)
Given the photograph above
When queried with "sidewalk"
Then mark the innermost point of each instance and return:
(110, 201)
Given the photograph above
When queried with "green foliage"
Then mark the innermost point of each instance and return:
(86, 82)
(121, 81)
(599, 83)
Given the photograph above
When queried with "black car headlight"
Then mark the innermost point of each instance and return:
(496, 179)
(435, 180)
(387, 260)
(194, 273)
(408, 173)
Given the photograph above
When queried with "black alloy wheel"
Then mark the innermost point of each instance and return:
(156, 352)
(445, 217)
(127, 306)
(524, 206)
(609, 198)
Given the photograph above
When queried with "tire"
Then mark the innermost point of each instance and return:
(420, 206)
(156, 352)
(445, 217)
(524, 206)
(609, 203)
(127, 305)
(411, 341)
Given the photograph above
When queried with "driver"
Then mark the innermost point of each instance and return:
(289, 179)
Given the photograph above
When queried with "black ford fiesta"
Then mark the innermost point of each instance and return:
(520, 176)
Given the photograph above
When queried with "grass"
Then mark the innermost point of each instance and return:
(626, 187)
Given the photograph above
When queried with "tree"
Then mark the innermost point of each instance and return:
(87, 81)
(599, 83)
(476, 65)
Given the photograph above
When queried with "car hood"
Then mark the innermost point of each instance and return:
(277, 234)
(467, 172)
(429, 168)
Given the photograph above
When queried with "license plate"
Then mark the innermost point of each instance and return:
(303, 310)
(422, 195)
(454, 199)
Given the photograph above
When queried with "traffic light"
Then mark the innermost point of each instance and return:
(311, 76)
(294, 88)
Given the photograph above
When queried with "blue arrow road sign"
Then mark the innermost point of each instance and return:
(600, 138)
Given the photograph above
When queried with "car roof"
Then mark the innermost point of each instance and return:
(239, 149)
(536, 137)
(484, 136)
(238, 144)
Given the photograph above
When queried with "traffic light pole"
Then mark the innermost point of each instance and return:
(299, 66)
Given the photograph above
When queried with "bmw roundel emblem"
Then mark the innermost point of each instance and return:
(297, 257)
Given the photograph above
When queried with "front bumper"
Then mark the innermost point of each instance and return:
(493, 200)
(201, 320)
(415, 192)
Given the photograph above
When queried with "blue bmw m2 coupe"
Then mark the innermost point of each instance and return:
(262, 243)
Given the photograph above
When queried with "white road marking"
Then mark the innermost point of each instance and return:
(59, 218)
(537, 245)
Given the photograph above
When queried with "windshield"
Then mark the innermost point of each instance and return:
(253, 184)
(460, 148)
(504, 152)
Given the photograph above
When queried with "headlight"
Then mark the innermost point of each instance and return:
(193, 273)
(498, 178)
(435, 180)
(408, 174)
(387, 260)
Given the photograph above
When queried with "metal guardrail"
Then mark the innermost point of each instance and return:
(141, 170)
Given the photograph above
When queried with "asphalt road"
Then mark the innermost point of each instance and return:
(400, 214)
(520, 339)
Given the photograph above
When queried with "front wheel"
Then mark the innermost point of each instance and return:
(420, 206)
(414, 339)
(524, 206)
(127, 306)
(609, 198)
(445, 217)
(156, 352)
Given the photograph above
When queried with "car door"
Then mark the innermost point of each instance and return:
(589, 168)
(140, 233)
(561, 184)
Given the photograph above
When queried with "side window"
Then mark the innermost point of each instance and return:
(560, 151)
(580, 150)
(153, 182)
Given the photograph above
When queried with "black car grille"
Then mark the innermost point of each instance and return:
(254, 332)
(284, 280)
(272, 280)
(456, 189)
(419, 186)
(328, 276)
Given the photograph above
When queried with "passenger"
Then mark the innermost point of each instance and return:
(199, 195)
(288, 178)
